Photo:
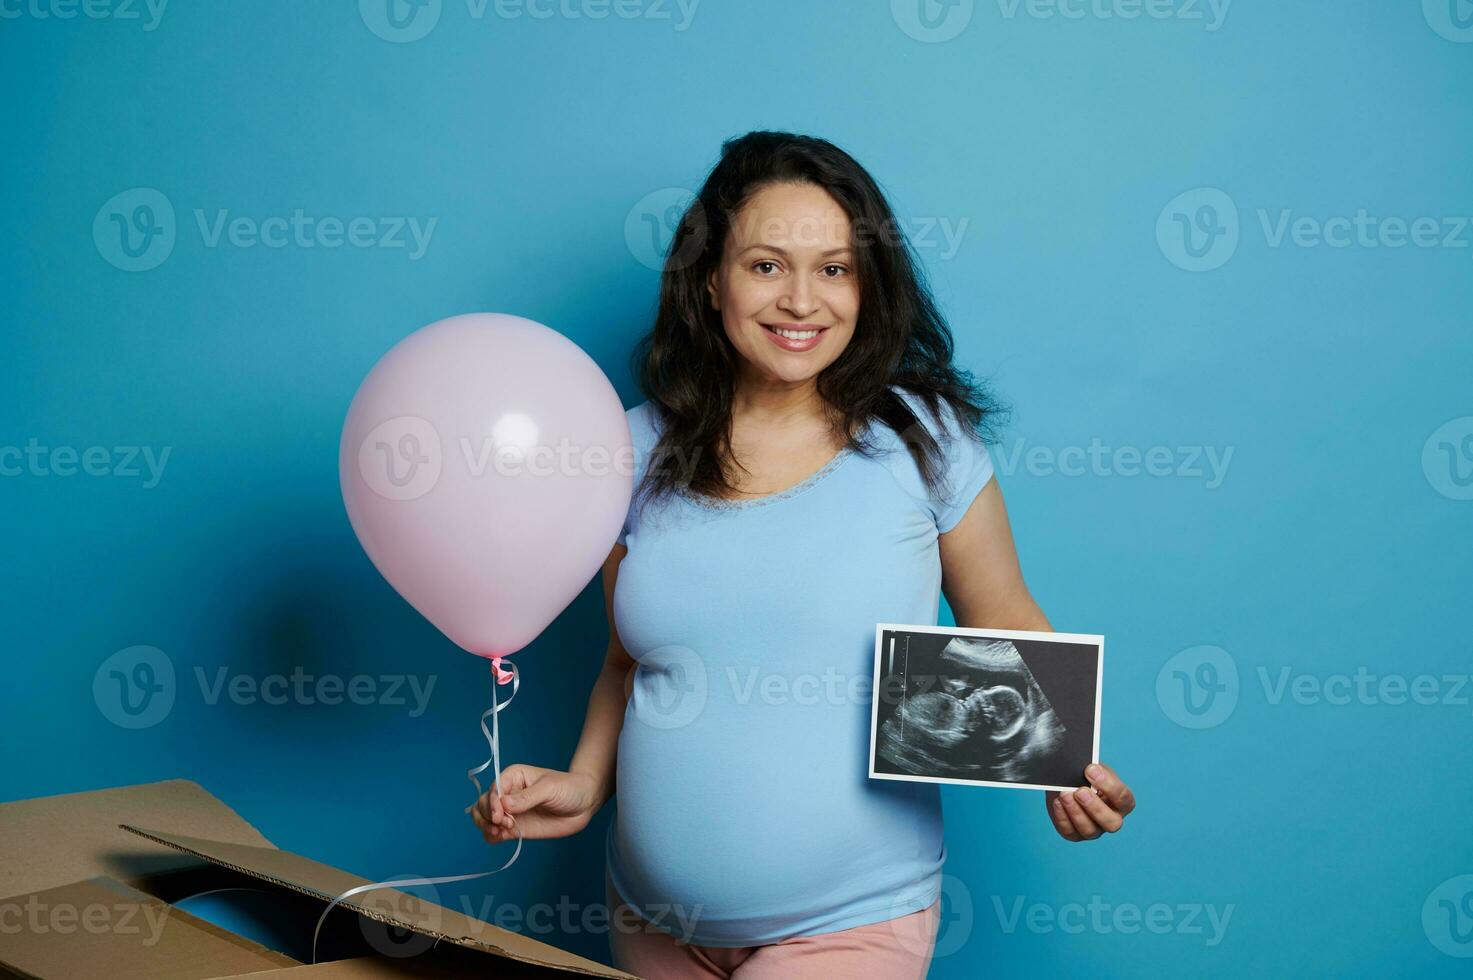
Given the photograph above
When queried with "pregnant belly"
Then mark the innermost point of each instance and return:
(756, 815)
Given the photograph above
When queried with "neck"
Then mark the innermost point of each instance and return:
(778, 403)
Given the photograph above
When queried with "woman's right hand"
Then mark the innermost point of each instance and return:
(541, 802)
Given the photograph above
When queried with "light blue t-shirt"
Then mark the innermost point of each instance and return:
(743, 797)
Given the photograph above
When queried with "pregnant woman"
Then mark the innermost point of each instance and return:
(809, 463)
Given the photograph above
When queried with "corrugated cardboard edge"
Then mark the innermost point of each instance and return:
(180, 934)
(562, 960)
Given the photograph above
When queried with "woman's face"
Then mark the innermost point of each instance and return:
(787, 264)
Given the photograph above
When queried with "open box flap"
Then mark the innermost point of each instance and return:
(325, 882)
(103, 927)
(56, 840)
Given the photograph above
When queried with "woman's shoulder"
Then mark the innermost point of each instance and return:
(964, 465)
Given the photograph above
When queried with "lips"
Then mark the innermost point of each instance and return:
(790, 344)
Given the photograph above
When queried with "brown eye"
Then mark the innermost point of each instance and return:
(841, 271)
(757, 266)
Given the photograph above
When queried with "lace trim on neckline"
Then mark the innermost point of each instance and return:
(721, 503)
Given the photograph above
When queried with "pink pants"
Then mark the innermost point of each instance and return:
(896, 949)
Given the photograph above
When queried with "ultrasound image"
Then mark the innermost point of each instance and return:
(973, 711)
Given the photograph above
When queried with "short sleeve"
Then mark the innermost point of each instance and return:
(966, 467)
(643, 436)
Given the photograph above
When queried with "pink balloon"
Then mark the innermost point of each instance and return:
(487, 469)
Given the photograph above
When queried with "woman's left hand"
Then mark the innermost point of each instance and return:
(1091, 810)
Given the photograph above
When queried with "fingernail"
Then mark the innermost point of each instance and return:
(1081, 794)
(512, 801)
(1094, 772)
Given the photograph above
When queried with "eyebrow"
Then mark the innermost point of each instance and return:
(783, 252)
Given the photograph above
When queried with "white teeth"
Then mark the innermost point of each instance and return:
(796, 334)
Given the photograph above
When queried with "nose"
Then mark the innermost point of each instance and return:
(799, 301)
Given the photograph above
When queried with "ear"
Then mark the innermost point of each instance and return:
(712, 290)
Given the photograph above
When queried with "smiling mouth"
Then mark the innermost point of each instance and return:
(807, 334)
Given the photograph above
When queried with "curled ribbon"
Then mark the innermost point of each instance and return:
(493, 739)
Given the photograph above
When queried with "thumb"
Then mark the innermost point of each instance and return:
(528, 797)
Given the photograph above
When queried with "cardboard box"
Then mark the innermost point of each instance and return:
(87, 882)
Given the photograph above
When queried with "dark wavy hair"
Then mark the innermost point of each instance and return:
(686, 364)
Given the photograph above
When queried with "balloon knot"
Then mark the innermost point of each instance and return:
(503, 676)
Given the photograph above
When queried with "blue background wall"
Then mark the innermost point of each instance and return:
(1333, 544)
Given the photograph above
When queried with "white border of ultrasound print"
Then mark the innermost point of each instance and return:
(1097, 640)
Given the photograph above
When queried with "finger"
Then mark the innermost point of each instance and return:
(514, 780)
(513, 777)
(1081, 821)
(1110, 786)
(533, 795)
(1099, 811)
(1060, 818)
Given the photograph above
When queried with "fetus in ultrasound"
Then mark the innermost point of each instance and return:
(986, 719)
